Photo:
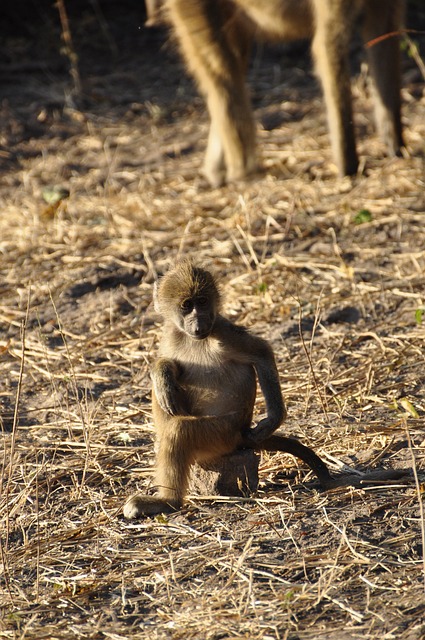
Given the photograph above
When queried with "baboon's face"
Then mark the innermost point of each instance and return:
(197, 316)
(189, 297)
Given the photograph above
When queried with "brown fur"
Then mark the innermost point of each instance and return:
(215, 38)
(154, 12)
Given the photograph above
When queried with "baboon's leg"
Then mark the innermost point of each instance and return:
(172, 474)
(154, 9)
(385, 16)
(216, 49)
(172, 470)
(330, 50)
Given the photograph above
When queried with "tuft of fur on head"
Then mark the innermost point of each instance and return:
(185, 280)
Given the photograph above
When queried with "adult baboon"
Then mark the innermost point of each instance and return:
(215, 37)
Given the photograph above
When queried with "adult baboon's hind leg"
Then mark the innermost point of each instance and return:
(330, 49)
(385, 17)
(216, 50)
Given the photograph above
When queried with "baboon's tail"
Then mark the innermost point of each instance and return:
(316, 464)
(295, 448)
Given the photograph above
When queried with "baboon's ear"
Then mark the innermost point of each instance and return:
(155, 297)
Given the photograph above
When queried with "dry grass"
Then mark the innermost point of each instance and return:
(338, 300)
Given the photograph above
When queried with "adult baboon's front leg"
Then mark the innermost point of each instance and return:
(330, 50)
(385, 17)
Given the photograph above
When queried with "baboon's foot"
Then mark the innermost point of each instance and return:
(140, 505)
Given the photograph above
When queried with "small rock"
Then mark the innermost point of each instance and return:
(232, 475)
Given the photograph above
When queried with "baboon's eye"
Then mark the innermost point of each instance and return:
(187, 305)
(202, 300)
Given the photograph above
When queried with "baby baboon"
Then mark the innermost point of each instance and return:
(204, 388)
(215, 37)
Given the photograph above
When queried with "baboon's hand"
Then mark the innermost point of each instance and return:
(264, 429)
(171, 398)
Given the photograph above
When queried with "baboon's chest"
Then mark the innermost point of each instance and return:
(217, 390)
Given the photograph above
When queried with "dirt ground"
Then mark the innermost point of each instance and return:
(330, 270)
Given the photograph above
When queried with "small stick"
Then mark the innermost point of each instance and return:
(418, 491)
(69, 47)
(4, 547)
(308, 356)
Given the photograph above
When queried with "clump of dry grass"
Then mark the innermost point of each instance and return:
(338, 301)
